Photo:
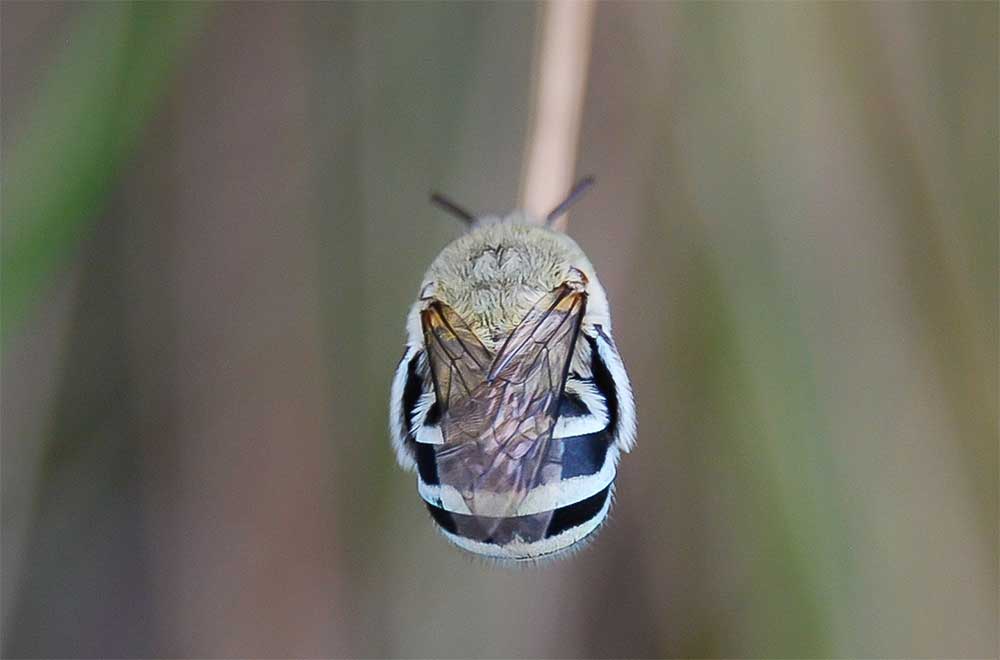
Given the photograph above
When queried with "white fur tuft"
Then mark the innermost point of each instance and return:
(397, 428)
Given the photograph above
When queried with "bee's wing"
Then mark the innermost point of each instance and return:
(497, 428)
(459, 361)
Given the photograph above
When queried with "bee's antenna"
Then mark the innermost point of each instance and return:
(581, 187)
(453, 208)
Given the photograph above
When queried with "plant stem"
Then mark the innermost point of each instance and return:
(563, 53)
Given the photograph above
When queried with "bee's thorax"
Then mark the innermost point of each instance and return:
(495, 273)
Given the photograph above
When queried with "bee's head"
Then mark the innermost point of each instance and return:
(494, 273)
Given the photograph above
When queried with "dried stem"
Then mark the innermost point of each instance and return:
(561, 63)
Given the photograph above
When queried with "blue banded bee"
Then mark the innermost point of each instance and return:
(511, 401)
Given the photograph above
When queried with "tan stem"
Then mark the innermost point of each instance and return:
(561, 63)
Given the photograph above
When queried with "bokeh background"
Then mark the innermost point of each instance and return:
(215, 217)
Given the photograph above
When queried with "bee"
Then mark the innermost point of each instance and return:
(511, 401)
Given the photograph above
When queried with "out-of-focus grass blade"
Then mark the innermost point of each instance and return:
(77, 134)
(773, 434)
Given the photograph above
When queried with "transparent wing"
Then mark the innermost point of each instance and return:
(459, 361)
(497, 427)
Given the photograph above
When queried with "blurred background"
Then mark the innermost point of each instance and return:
(215, 217)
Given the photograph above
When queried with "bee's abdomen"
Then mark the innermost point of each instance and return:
(530, 537)
(559, 515)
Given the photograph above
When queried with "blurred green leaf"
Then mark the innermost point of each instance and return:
(83, 125)
(773, 429)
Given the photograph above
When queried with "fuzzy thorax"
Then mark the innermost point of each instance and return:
(493, 275)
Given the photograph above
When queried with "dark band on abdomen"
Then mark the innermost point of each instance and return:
(525, 528)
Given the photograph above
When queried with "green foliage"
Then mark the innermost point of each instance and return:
(85, 122)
